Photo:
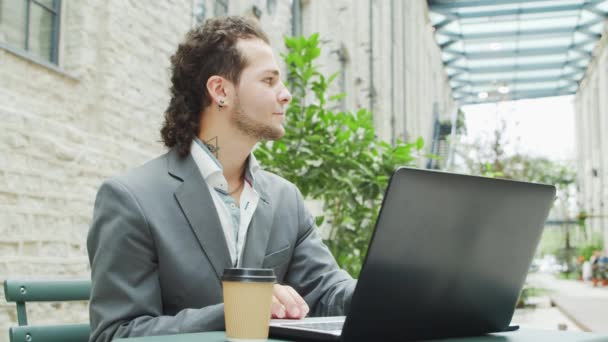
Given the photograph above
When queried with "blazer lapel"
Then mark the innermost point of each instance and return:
(258, 232)
(197, 205)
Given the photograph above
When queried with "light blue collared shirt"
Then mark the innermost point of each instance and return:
(234, 218)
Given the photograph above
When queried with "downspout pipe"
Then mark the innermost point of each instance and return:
(404, 5)
(372, 92)
(393, 119)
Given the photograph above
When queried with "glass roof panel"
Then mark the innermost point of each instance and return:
(582, 63)
(454, 26)
(580, 37)
(498, 43)
(513, 87)
(569, 21)
(512, 74)
(535, 86)
(587, 16)
(507, 63)
(549, 59)
(436, 17)
(442, 39)
(562, 42)
(548, 3)
(533, 45)
(511, 65)
(487, 26)
(492, 7)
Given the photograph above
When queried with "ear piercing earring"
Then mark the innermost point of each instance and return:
(221, 103)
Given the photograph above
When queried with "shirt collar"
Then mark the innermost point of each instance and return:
(210, 166)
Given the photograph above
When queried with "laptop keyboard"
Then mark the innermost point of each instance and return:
(325, 326)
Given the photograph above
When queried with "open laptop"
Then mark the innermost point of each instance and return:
(448, 257)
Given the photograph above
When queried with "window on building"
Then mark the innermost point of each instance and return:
(199, 12)
(271, 6)
(220, 8)
(32, 26)
(296, 18)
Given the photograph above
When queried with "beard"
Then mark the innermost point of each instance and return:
(253, 128)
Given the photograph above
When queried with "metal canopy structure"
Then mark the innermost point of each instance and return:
(496, 50)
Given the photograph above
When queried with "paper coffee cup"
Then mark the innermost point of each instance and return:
(247, 302)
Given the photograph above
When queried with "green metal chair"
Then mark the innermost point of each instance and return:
(23, 291)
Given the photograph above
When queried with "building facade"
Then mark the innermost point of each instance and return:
(591, 107)
(84, 84)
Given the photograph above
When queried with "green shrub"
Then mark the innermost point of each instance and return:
(333, 156)
(595, 244)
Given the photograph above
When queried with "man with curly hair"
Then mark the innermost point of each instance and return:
(163, 233)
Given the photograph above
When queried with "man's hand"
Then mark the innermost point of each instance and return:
(287, 303)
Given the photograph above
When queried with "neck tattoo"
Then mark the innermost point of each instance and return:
(213, 146)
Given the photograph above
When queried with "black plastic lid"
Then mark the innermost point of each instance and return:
(257, 275)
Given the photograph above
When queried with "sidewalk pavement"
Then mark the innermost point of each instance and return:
(543, 316)
(584, 305)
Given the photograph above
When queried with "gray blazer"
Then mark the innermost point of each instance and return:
(157, 251)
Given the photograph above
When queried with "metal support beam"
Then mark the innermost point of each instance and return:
(458, 87)
(457, 79)
(458, 68)
(455, 75)
(535, 92)
(510, 97)
(545, 51)
(442, 24)
(590, 34)
(525, 34)
(597, 12)
(550, 32)
(580, 48)
(450, 62)
(556, 50)
(447, 44)
(525, 67)
(516, 95)
(593, 2)
(449, 18)
(592, 7)
(524, 80)
(590, 24)
(520, 11)
(449, 5)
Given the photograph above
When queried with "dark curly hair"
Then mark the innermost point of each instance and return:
(209, 49)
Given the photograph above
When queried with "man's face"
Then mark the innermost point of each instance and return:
(261, 97)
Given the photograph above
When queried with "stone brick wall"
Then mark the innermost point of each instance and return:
(98, 113)
(64, 132)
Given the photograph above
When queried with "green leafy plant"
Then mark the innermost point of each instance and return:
(489, 172)
(596, 243)
(333, 156)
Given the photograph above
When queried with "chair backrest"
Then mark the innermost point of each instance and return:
(23, 291)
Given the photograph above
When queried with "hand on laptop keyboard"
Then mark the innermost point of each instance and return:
(325, 326)
(287, 303)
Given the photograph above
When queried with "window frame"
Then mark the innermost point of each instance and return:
(24, 49)
(220, 8)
